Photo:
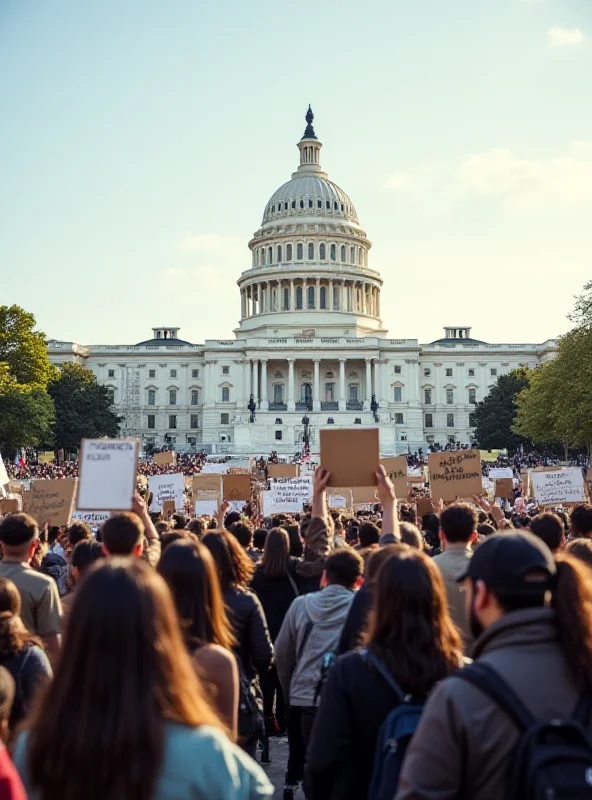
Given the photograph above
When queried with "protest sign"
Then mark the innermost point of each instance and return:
(504, 487)
(236, 487)
(3, 473)
(500, 472)
(364, 495)
(455, 474)
(168, 508)
(46, 457)
(9, 506)
(107, 474)
(396, 469)
(556, 486)
(283, 470)
(424, 506)
(351, 456)
(339, 498)
(288, 495)
(166, 487)
(91, 517)
(163, 459)
(237, 505)
(205, 507)
(526, 487)
(214, 469)
(52, 501)
(207, 483)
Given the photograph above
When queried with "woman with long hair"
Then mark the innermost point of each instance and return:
(253, 647)
(189, 570)
(20, 652)
(410, 635)
(274, 583)
(126, 715)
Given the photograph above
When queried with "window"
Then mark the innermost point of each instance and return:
(299, 297)
(449, 397)
(336, 298)
(262, 256)
(471, 373)
(322, 252)
(224, 419)
(311, 297)
(225, 394)
(343, 254)
(397, 369)
(152, 373)
(278, 436)
(328, 205)
(323, 297)
(195, 373)
(352, 255)
(172, 420)
(333, 253)
(173, 397)
(398, 394)
(173, 373)
(399, 419)
(151, 420)
(293, 203)
(279, 253)
(310, 251)
(450, 420)
(151, 397)
(111, 396)
(429, 421)
(473, 396)
(493, 371)
(353, 393)
(194, 421)
(427, 372)
(427, 397)
(225, 370)
(319, 204)
(449, 372)
(278, 393)
(111, 373)
(288, 252)
(271, 255)
(329, 392)
(302, 204)
(194, 397)
(286, 299)
(310, 203)
(299, 255)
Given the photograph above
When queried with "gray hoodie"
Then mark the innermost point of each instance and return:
(299, 663)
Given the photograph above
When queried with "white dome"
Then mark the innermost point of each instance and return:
(309, 195)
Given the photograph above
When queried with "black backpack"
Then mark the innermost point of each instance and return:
(552, 760)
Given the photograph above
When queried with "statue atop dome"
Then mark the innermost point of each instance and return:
(309, 132)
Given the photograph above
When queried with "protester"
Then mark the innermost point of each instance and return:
(411, 535)
(132, 533)
(467, 739)
(137, 725)
(41, 609)
(84, 555)
(253, 648)
(21, 653)
(580, 549)
(309, 634)
(580, 522)
(11, 787)
(190, 572)
(550, 529)
(243, 532)
(412, 638)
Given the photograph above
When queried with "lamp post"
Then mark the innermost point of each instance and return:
(374, 408)
(252, 408)
(306, 436)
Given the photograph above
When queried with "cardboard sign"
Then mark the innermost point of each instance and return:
(52, 501)
(364, 495)
(236, 487)
(3, 474)
(283, 470)
(501, 472)
(351, 456)
(424, 506)
(168, 508)
(166, 487)
(107, 474)
(526, 487)
(162, 459)
(557, 486)
(455, 474)
(206, 508)
(288, 495)
(396, 469)
(339, 498)
(207, 483)
(504, 487)
(10, 506)
(91, 517)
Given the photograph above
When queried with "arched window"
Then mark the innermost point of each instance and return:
(273, 300)
(352, 255)
(310, 251)
(311, 297)
(343, 254)
(328, 205)
(273, 209)
(322, 252)
(271, 255)
(360, 256)
(256, 254)
(336, 298)
(299, 254)
(319, 204)
(279, 254)
(310, 203)
(286, 299)
(262, 256)
(299, 297)
(333, 253)
(323, 297)
(288, 252)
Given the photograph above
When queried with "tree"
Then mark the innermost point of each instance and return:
(495, 414)
(26, 416)
(82, 407)
(24, 349)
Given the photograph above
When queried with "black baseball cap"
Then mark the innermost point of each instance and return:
(503, 560)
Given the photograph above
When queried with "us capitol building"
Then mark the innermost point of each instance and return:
(310, 349)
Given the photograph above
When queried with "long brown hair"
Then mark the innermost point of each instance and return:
(274, 562)
(410, 627)
(98, 730)
(13, 634)
(235, 568)
(189, 570)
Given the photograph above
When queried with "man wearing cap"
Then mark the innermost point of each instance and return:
(532, 623)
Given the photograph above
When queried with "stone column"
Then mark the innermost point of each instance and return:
(330, 290)
(377, 380)
(255, 381)
(268, 301)
(291, 403)
(264, 402)
(342, 384)
(316, 386)
(368, 396)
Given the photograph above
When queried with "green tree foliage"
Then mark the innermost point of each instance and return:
(495, 414)
(82, 407)
(23, 349)
(26, 416)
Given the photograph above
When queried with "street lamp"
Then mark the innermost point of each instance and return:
(252, 408)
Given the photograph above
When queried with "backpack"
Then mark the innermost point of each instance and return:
(57, 568)
(552, 760)
(393, 737)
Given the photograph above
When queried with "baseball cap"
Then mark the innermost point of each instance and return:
(503, 560)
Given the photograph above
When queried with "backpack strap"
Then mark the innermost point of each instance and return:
(494, 686)
(305, 635)
(384, 673)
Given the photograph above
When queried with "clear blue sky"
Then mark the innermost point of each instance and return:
(140, 141)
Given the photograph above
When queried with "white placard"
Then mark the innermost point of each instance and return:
(206, 508)
(214, 469)
(107, 474)
(289, 495)
(166, 487)
(556, 486)
(4, 479)
(414, 472)
(501, 472)
(91, 517)
(337, 501)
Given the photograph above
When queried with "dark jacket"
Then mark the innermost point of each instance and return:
(463, 736)
(317, 547)
(254, 647)
(31, 670)
(354, 704)
(356, 621)
(276, 596)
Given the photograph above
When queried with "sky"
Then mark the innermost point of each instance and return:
(140, 141)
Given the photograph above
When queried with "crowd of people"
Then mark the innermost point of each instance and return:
(405, 657)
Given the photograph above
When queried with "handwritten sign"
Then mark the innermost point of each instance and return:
(107, 474)
(339, 498)
(214, 469)
(495, 473)
(52, 501)
(236, 487)
(166, 487)
(288, 495)
(504, 487)
(206, 508)
(9, 506)
(396, 469)
(207, 483)
(91, 517)
(455, 474)
(163, 459)
(556, 486)
(3, 474)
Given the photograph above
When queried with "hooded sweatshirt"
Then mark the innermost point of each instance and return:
(299, 658)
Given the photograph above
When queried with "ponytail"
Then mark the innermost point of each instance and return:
(572, 603)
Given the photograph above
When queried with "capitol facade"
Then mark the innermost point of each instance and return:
(310, 349)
